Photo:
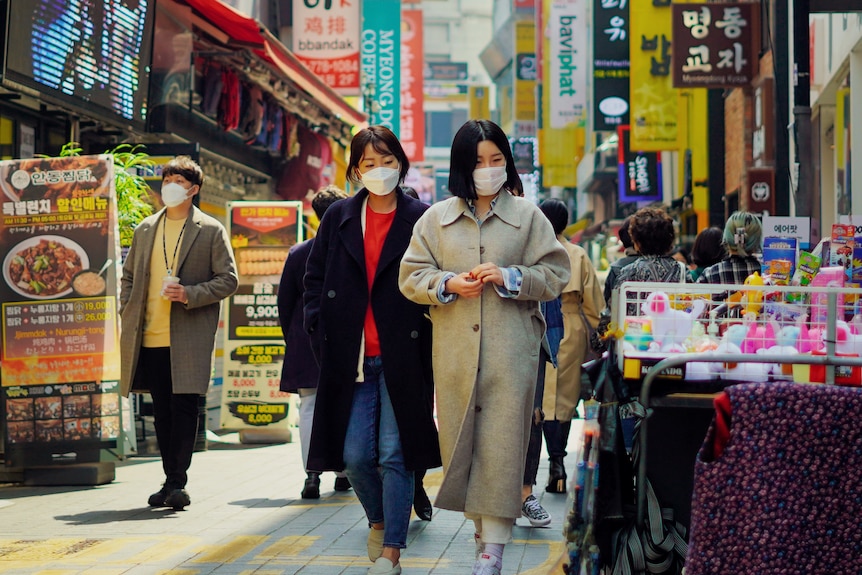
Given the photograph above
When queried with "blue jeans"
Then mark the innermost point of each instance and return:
(374, 462)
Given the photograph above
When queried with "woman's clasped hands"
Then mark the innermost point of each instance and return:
(470, 284)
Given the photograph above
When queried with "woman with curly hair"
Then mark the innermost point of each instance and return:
(653, 236)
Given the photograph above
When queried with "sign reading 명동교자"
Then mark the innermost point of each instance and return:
(60, 354)
(261, 234)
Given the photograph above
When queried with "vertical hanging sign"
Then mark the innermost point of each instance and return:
(524, 102)
(59, 243)
(639, 172)
(653, 97)
(380, 62)
(412, 109)
(567, 26)
(261, 234)
(610, 64)
(326, 40)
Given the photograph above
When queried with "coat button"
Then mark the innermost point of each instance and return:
(481, 249)
(478, 409)
(476, 327)
(414, 334)
(330, 294)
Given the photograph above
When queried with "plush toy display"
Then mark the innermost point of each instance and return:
(670, 327)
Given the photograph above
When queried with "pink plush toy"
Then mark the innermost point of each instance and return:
(846, 342)
(759, 336)
(670, 327)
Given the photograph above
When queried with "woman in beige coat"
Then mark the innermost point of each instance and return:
(582, 301)
(483, 260)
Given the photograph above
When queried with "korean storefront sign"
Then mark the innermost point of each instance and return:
(639, 172)
(567, 26)
(715, 45)
(261, 234)
(653, 98)
(59, 243)
(610, 64)
(326, 40)
(380, 62)
(412, 110)
(525, 79)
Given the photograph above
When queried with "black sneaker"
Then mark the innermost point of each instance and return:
(533, 510)
(342, 484)
(157, 499)
(178, 498)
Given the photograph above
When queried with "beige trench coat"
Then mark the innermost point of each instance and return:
(563, 384)
(484, 399)
(207, 269)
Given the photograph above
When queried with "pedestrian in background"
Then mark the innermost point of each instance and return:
(372, 418)
(581, 304)
(178, 269)
(483, 260)
(631, 255)
(708, 249)
(742, 237)
(300, 371)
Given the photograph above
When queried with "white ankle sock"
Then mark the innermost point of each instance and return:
(495, 550)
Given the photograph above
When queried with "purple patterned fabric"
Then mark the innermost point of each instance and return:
(785, 497)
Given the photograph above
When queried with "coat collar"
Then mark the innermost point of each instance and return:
(505, 208)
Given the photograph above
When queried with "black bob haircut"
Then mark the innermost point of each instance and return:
(557, 213)
(383, 141)
(465, 153)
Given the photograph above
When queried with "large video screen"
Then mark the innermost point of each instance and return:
(91, 54)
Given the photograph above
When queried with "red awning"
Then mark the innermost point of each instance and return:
(247, 31)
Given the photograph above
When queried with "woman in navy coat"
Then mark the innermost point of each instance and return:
(373, 346)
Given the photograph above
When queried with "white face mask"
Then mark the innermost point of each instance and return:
(174, 194)
(488, 181)
(381, 181)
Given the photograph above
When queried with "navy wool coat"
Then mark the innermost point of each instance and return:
(336, 297)
(300, 370)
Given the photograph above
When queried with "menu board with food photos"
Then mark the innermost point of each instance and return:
(261, 234)
(59, 249)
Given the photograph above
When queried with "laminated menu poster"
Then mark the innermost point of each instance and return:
(59, 247)
(261, 234)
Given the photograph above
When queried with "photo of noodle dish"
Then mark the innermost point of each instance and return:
(42, 267)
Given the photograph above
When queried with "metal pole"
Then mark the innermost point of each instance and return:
(802, 108)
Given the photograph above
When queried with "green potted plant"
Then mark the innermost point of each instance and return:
(133, 196)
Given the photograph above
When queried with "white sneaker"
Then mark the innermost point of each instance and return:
(534, 511)
(487, 565)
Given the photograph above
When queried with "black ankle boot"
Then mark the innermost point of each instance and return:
(312, 486)
(556, 476)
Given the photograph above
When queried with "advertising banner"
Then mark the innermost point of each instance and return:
(653, 98)
(412, 98)
(610, 64)
(380, 62)
(715, 45)
(59, 244)
(326, 40)
(261, 234)
(639, 172)
(525, 79)
(567, 27)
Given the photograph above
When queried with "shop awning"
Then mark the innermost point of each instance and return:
(246, 31)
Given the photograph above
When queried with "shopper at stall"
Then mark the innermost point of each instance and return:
(178, 269)
(582, 303)
(708, 249)
(742, 237)
(483, 260)
(630, 255)
(373, 415)
(653, 235)
(300, 371)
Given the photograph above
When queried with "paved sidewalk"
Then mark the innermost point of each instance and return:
(246, 517)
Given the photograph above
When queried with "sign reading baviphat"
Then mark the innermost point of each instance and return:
(715, 45)
(568, 42)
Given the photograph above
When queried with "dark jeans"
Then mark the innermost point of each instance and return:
(534, 448)
(556, 437)
(175, 414)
